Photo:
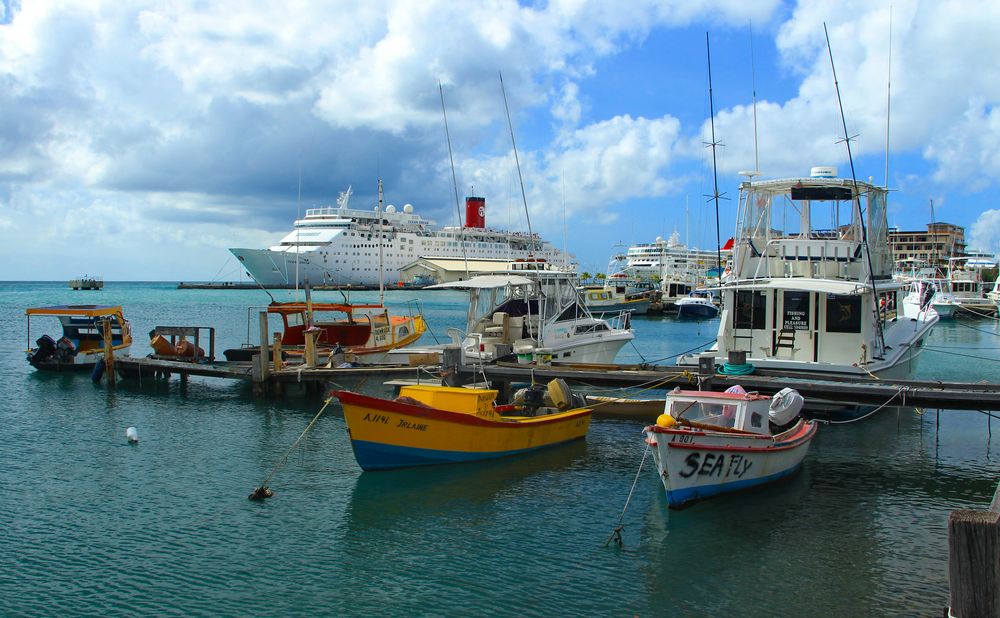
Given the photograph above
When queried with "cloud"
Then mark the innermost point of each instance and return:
(985, 232)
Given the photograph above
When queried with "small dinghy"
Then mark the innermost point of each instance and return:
(708, 443)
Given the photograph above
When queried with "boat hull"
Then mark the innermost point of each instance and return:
(389, 434)
(696, 311)
(695, 465)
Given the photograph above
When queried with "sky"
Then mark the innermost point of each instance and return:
(139, 140)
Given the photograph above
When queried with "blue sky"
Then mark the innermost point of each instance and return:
(140, 140)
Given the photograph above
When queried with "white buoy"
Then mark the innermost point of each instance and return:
(132, 435)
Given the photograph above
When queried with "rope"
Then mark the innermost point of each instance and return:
(259, 493)
(616, 534)
(900, 392)
(736, 370)
(976, 313)
(942, 351)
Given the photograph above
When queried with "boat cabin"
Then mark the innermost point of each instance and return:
(706, 409)
(83, 325)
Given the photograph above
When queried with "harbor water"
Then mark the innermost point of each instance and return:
(93, 525)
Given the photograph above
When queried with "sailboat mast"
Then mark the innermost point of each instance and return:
(715, 173)
(454, 184)
(381, 271)
(524, 197)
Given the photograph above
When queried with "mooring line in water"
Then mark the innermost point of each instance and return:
(259, 493)
(900, 392)
(616, 534)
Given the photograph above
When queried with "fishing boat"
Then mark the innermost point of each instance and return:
(697, 305)
(817, 296)
(87, 282)
(708, 443)
(87, 332)
(536, 306)
(430, 424)
(363, 331)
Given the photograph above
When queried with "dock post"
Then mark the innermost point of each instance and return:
(706, 371)
(109, 353)
(310, 351)
(264, 348)
(277, 352)
(974, 561)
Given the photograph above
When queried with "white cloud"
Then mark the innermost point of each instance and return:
(985, 232)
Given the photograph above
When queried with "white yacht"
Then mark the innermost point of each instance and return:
(811, 285)
(341, 245)
(535, 308)
(672, 260)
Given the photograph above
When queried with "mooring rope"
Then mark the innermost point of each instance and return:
(259, 493)
(616, 534)
(900, 392)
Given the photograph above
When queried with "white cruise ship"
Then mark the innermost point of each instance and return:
(339, 245)
(671, 259)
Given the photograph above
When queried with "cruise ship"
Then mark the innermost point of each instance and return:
(339, 245)
(671, 259)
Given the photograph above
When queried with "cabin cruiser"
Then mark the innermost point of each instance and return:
(536, 309)
(697, 305)
(810, 287)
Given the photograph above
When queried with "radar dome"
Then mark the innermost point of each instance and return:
(390, 208)
(659, 239)
(408, 209)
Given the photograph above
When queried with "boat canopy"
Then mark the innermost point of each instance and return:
(483, 282)
(92, 311)
(830, 286)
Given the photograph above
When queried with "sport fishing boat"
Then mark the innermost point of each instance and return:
(343, 246)
(429, 424)
(537, 307)
(86, 330)
(364, 331)
(707, 443)
(818, 295)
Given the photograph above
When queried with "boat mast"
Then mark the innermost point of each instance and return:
(715, 173)
(381, 272)
(888, 101)
(524, 197)
(857, 200)
(753, 86)
(454, 184)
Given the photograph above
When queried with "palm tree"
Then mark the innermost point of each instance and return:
(585, 277)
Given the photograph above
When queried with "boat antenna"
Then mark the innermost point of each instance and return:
(298, 230)
(888, 101)
(454, 183)
(857, 195)
(753, 86)
(381, 270)
(524, 197)
(715, 174)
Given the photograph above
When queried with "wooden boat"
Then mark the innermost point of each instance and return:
(429, 424)
(366, 331)
(82, 343)
(621, 407)
(708, 443)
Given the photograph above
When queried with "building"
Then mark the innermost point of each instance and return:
(932, 248)
(430, 270)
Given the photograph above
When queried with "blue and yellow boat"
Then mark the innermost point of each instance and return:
(429, 425)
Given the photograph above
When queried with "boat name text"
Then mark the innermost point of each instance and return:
(711, 464)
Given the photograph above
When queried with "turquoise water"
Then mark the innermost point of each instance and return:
(91, 525)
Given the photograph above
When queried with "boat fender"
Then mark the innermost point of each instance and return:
(665, 420)
(132, 435)
(785, 406)
(98, 372)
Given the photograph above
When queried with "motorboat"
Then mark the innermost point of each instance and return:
(536, 306)
(697, 305)
(815, 294)
(926, 294)
(430, 424)
(88, 332)
(707, 443)
(362, 332)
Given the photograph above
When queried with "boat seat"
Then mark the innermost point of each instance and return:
(499, 326)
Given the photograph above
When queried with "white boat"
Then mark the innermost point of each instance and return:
(965, 284)
(926, 293)
(706, 443)
(621, 291)
(697, 305)
(818, 295)
(535, 308)
(341, 246)
(672, 260)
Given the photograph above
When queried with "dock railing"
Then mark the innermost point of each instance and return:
(974, 561)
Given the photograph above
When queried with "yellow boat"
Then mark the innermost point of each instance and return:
(429, 424)
(82, 342)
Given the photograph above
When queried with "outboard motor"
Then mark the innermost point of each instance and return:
(46, 348)
(534, 398)
(785, 407)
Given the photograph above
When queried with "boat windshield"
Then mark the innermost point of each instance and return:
(704, 412)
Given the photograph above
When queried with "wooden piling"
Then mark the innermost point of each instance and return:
(974, 561)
